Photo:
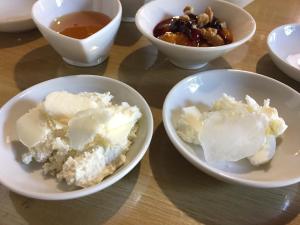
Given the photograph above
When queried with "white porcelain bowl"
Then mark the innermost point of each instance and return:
(15, 15)
(204, 88)
(238, 20)
(90, 51)
(28, 179)
(282, 42)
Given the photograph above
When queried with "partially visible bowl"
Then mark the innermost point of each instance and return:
(15, 15)
(282, 42)
(90, 51)
(240, 22)
(28, 180)
(204, 88)
(240, 3)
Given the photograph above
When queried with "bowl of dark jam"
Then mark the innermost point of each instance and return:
(189, 29)
(191, 33)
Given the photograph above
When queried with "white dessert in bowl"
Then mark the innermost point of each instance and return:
(205, 88)
(232, 130)
(81, 138)
(29, 180)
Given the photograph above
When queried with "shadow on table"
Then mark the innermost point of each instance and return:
(151, 74)
(44, 63)
(91, 210)
(127, 35)
(213, 202)
(8, 40)
(266, 66)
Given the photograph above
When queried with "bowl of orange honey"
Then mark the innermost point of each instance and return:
(81, 31)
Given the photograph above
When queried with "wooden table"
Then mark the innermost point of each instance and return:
(164, 188)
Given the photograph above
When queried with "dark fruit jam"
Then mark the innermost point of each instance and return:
(202, 30)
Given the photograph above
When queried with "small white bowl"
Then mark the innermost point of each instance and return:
(240, 22)
(282, 42)
(28, 179)
(15, 15)
(204, 88)
(90, 51)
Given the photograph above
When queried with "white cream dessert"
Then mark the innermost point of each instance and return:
(80, 138)
(233, 130)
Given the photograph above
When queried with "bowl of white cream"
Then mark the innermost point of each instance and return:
(284, 49)
(237, 126)
(72, 136)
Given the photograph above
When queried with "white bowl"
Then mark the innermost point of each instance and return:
(282, 42)
(130, 7)
(240, 3)
(15, 15)
(90, 51)
(28, 179)
(238, 20)
(204, 88)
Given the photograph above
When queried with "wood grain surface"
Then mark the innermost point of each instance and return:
(164, 188)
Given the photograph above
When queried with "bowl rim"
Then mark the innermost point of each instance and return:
(212, 48)
(109, 180)
(114, 20)
(22, 19)
(203, 166)
(274, 53)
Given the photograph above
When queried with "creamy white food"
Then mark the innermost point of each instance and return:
(232, 130)
(80, 138)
